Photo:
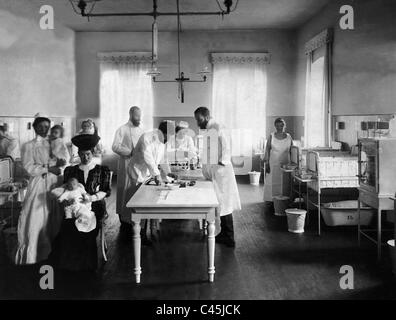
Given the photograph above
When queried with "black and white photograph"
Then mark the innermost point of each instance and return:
(197, 155)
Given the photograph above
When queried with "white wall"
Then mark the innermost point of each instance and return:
(364, 61)
(195, 46)
(37, 67)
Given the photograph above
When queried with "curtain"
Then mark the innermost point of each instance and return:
(123, 84)
(317, 124)
(239, 97)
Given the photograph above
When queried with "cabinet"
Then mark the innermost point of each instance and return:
(377, 166)
(377, 181)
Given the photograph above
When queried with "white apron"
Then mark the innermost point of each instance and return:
(40, 217)
(279, 155)
(223, 177)
(125, 140)
(224, 182)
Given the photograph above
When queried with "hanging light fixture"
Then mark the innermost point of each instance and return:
(153, 72)
(86, 8)
(82, 5)
(181, 79)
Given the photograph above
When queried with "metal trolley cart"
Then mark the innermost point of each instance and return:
(8, 192)
(329, 170)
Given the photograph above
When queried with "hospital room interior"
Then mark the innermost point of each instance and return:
(111, 116)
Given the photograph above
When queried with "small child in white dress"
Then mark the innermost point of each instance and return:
(60, 155)
(77, 204)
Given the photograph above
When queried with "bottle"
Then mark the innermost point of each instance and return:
(392, 126)
(377, 128)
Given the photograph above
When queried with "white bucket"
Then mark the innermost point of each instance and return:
(391, 244)
(281, 203)
(254, 178)
(296, 220)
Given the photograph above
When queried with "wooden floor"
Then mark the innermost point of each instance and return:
(267, 263)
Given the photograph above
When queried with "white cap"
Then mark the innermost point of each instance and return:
(182, 124)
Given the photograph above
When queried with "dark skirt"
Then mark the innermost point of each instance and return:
(74, 250)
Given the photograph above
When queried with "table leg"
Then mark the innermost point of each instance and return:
(379, 235)
(319, 211)
(359, 222)
(211, 249)
(281, 183)
(12, 212)
(307, 204)
(137, 248)
(205, 227)
(299, 195)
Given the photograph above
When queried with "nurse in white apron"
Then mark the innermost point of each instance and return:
(277, 153)
(40, 218)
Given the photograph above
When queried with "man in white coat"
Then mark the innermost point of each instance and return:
(125, 141)
(149, 158)
(221, 172)
(149, 161)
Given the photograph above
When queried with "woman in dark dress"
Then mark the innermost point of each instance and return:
(75, 250)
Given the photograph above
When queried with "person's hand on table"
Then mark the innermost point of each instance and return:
(172, 175)
(158, 180)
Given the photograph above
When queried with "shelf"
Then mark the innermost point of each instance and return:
(13, 193)
(303, 180)
(287, 170)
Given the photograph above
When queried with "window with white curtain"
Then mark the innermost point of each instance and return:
(316, 114)
(317, 124)
(239, 97)
(124, 83)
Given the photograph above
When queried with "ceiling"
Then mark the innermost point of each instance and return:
(250, 14)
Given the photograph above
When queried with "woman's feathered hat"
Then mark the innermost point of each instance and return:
(85, 141)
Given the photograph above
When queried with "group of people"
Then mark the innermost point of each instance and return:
(62, 203)
(65, 198)
(144, 155)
